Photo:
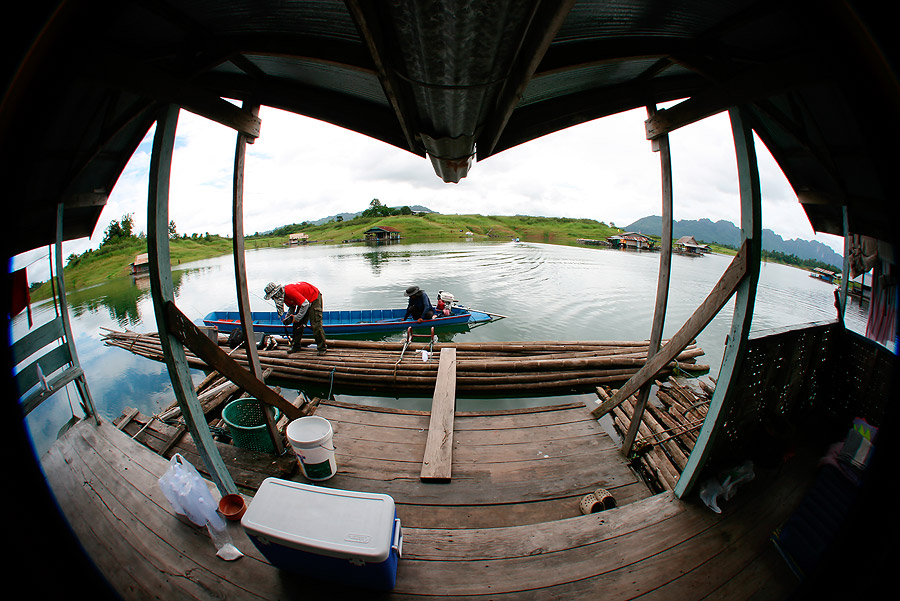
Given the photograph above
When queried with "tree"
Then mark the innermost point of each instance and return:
(118, 230)
(172, 233)
(127, 224)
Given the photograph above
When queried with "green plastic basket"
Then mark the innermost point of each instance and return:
(247, 425)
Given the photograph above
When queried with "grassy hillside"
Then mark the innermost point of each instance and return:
(114, 260)
(435, 227)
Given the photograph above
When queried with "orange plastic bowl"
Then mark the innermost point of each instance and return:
(232, 506)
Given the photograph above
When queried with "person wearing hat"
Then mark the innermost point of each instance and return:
(304, 303)
(419, 307)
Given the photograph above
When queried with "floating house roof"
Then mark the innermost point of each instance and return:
(631, 236)
(689, 241)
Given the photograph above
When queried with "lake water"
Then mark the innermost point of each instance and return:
(547, 292)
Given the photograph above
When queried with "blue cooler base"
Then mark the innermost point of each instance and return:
(345, 537)
(381, 576)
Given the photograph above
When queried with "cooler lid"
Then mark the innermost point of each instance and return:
(327, 521)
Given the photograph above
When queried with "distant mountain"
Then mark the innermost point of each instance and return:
(348, 216)
(725, 232)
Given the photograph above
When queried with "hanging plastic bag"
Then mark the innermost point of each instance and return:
(725, 485)
(189, 496)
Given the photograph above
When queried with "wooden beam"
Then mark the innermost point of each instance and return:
(548, 17)
(717, 298)
(80, 380)
(162, 291)
(762, 82)
(240, 274)
(845, 275)
(436, 464)
(736, 347)
(365, 15)
(180, 326)
(240, 269)
(139, 77)
(662, 146)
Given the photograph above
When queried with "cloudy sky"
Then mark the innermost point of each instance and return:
(301, 169)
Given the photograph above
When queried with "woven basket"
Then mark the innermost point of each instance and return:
(247, 425)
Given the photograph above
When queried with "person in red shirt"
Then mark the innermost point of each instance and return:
(304, 303)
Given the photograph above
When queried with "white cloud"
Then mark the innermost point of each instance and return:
(302, 169)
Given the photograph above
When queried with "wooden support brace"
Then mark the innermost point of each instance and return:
(191, 336)
(439, 444)
(717, 298)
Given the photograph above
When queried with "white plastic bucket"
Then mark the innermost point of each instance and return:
(310, 437)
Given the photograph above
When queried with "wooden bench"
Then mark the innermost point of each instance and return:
(51, 368)
(436, 465)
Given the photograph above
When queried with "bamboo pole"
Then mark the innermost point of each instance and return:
(372, 366)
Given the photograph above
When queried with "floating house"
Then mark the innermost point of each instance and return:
(686, 245)
(823, 274)
(812, 81)
(632, 241)
(141, 265)
(298, 238)
(382, 233)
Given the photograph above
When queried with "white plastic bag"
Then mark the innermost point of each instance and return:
(726, 485)
(189, 496)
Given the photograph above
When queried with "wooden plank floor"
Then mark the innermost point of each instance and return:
(656, 547)
(509, 467)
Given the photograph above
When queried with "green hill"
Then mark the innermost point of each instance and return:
(436, 226)
(114, 260)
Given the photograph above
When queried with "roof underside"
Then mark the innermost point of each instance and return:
(450, 81)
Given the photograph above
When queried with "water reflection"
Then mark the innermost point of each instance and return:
(121, 297)
(547, 292)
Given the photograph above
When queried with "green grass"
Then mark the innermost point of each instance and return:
(436, 227)
(113, 260)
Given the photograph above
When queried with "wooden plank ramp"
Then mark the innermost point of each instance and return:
(654, 548)
(437, 463)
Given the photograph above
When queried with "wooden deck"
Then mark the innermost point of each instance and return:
(508, 524)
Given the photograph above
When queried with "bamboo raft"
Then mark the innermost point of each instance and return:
(668, 429)
(483, 368)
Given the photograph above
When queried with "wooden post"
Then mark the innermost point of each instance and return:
(438, 459)
(845, 276)
(736, 348)
(240, 274)
(80, 381)
(162, 291)
(660, 145)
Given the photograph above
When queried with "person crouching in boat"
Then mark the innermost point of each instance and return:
(419, 307)
(304, 302)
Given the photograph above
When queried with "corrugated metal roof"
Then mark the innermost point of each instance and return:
(448, 80)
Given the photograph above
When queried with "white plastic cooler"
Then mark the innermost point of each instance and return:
(345, 536)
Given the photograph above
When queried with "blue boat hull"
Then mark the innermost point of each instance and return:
(335, 323)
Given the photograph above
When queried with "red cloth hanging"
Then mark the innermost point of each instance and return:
(21, 298)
